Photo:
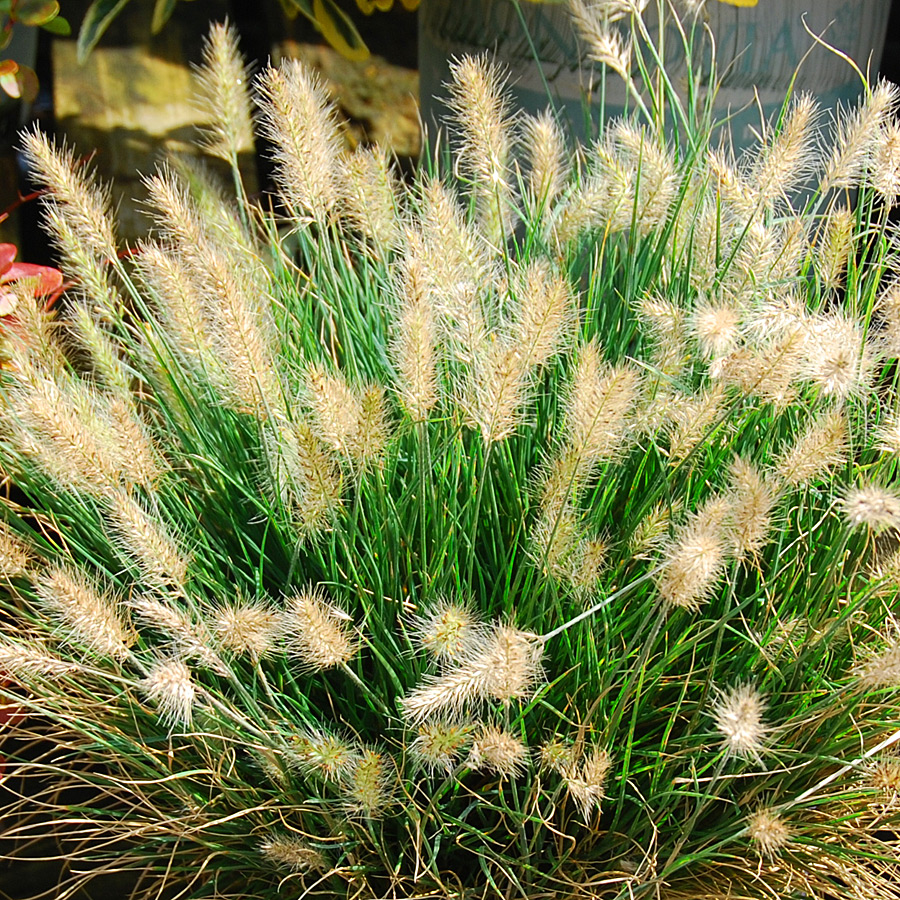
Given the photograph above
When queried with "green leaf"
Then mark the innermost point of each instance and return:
(59, 26)
(162, 12)
(293, 7)
(339, 30)
(97, 19)
(37, 12)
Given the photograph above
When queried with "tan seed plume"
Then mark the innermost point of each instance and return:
(368, 788)
(292, 853)
(169, 685)
(481, 111)
(224, 84)
(23, 661)
(246, 628)
(695, 558)
(147, 542)
(298, 119)
(769, 832)
(504, 668)
(190, 639)
(738, 715)
(586, 782)
(414, 349)
(856, 137)
(370, 200)
(753, 498)
(438, 745)
(548, 163)
(819, 449)
(789, 158)
(499, 751)
(316, 632)
(85, 205)
(87, 615)
(15, 555)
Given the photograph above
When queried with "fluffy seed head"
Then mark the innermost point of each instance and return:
(587, 782)
(449, 630)
(789, 158)
(654, 174)
(292, 853)
(558, 756)
(542, 314)
(147, 542)
(753, 498)
(546, 150)
(738, 714)
(414, 349)
(103, 353)
(858, 132)
(438, 745)
(835, 247)
(691, 417)
(882, 668)
(180, 312)
(889, 435)
(335, 406)
(885, 166)
(15, 556)
(715, 325)
(511, 663)
(695, 558)
(769, 832)
(652, 530)
(189, 639)
(168, 684)
(368, 788)
(455, 251)
(838, 359)
(369, 201)
(503, 667)
(599, 406)
(246, 628)
(884, 776)
(224, 83)
(24, 661)
(315, 631)
(873, 506)
(498, 751)
(482, 114)
(821, 447)
(299, 120)
(497, 390)
(327, 755)
(602, 42)
(87, 616)
(373, 431)
(71, 430)
(85, 206)
(308, 472)
(667, 328)
(733, 191)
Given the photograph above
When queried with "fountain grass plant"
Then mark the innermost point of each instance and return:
(526, 530)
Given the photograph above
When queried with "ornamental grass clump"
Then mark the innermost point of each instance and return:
(531, 528)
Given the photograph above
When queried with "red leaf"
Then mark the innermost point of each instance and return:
(7, 255)
(47, 278)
